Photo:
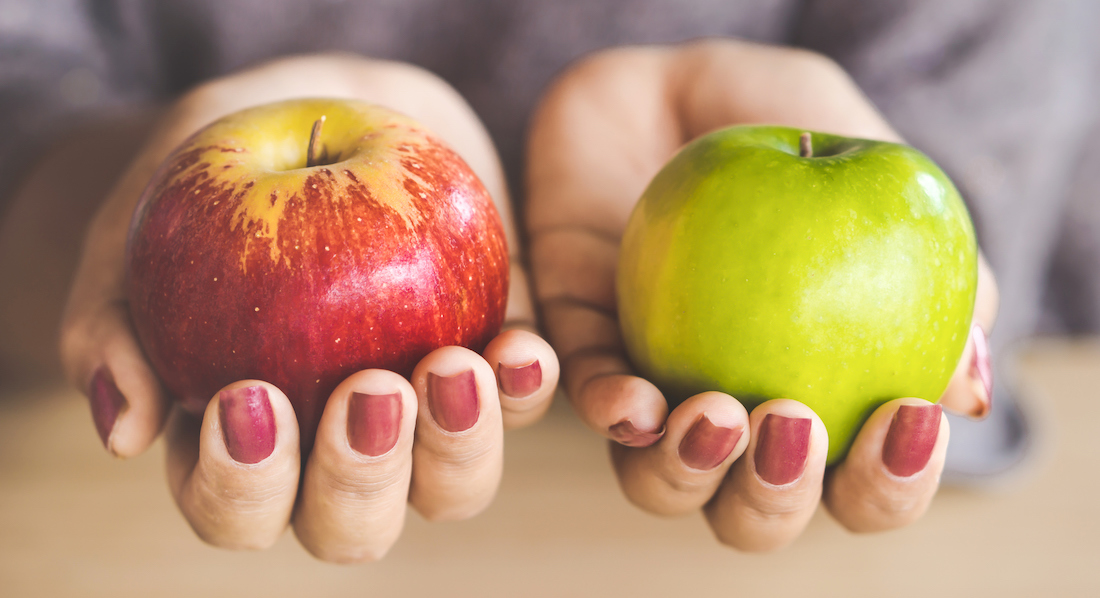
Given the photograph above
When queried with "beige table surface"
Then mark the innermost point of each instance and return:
(74, 522)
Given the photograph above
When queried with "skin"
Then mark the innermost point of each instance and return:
(602, 131)
(351, 507)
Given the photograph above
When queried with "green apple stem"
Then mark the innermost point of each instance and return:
(316, 154)
(805, 146)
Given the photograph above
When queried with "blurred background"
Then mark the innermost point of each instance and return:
(1002, 93)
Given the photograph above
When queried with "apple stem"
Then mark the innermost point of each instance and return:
(805, 146)
(315, 154)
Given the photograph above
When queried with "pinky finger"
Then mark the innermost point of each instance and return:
(128, 404)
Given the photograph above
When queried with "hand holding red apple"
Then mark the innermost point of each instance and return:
(237, 471)
(250, 257)
(602, 132)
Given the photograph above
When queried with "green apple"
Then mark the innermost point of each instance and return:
(769, 262)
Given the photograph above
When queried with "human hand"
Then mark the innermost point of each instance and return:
(236, 470)
(602, 132)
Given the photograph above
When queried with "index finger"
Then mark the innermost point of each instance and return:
(597, 138)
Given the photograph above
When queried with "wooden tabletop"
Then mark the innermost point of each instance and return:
(75, 522)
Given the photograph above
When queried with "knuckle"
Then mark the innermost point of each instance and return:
(878, 509)
(349, 487)
(436, 513)
(729, 538)
(460, 462)
(658, 503)
(347, 555)
(894, 507)
(463, 455)
(217, 537)
(342, 546)
(225, 509)
(747, 530)
(680, 485)
(769, 508)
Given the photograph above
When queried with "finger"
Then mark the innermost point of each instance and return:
(893, 469)
(681, 472)
(970, 390)
(575, 270)
(773, 489)
(458, 454)
(356, 485)
(526, 371)
(103, 358)
(234, 475)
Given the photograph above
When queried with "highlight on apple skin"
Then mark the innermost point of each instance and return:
(243, 261)
(770, 262)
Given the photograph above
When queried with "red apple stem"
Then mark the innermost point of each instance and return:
(805, 146)
(316, 153)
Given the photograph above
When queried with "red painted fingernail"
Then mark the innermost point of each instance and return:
(519, 382)
(248, 423)
(706, 445)
(911, 438)
(981, 368)
(627, 434)
(782, 446)
(373, 422)
(453, 401)
(106, 401)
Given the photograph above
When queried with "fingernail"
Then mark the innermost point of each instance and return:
(911, 438)
(981, 368)
(781, 448)
(248, 423)
(520, 381)
(453, 401)
(374, 422)
(706, 445)
(106, 401)
(627, 434)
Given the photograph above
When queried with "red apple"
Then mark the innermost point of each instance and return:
(245, 261)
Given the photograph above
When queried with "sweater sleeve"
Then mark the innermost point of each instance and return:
(62, 61)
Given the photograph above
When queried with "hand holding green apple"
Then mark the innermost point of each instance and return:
(770, 262)
(750, 287)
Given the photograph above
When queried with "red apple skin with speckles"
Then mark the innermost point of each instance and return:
(243, 262)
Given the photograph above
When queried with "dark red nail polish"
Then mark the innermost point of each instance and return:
(106, 401)
(519, 382)
(625, 433)
(782, 446)
(706, 445)
(248, 423)
(453, 401)
(911, 438)
(981, 366)
(374, 422)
